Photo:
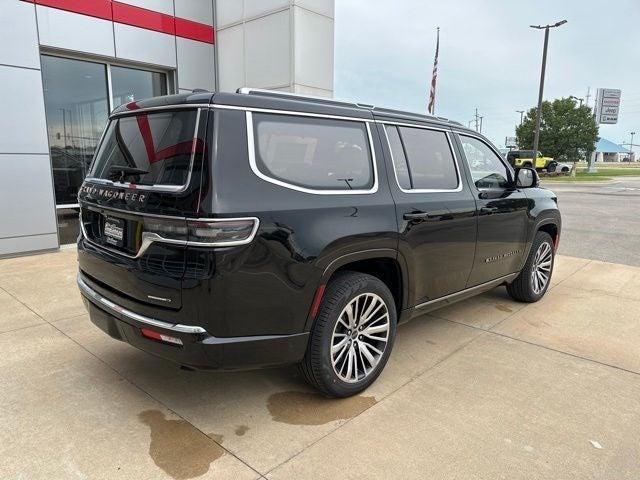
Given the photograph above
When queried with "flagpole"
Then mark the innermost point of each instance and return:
(431, 108)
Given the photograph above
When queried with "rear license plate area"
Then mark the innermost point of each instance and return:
(114, 231)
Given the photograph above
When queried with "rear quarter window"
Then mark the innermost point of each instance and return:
(312, 153)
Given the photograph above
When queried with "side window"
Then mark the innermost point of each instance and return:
(313, 153)
(487, 170)
(399, 158)
(425, 159)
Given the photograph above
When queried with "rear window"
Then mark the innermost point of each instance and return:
(148, 149)
(313, 153)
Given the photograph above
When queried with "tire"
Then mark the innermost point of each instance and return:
(529, 286)
(348, 293)
(551, 167)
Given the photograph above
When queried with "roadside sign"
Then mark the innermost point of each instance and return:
(511, 142)
(607, 105)
(611, 93)
(609, 119)
(611, 102)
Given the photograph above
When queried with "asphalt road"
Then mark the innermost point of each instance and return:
(600, 222)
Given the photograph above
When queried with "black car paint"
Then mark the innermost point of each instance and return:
(254, 300)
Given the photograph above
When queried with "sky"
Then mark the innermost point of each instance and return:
(489, 57)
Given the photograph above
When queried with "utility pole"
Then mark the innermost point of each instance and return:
(588, 96)
(481, 117)
(521, 112)
(476, 116)
(536, 136)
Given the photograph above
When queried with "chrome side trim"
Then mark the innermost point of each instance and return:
(251, 147)
(87, 291)
(158, 187)
(250, 90)
(453, 154)
(289, 112)
(489, 284)
(415, 125)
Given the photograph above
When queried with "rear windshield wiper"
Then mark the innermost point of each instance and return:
(119, 173)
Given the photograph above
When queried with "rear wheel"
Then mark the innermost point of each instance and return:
(533, 281)
(352, 337)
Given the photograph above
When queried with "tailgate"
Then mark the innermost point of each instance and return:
(120, 258)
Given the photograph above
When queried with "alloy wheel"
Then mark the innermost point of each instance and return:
(541, 271)
(360, 337)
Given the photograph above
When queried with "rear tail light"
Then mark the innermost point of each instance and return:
(160, 337)
(233, 231)
(201, 232)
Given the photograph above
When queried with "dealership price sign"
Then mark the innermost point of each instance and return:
(607, 105)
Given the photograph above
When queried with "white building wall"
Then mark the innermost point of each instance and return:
(276, 44)
(279, 44)
(27, 213)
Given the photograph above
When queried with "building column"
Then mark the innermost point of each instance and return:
(27, 206)
(277, 44)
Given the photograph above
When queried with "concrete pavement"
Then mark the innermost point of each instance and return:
(487, 388)
(600, 221)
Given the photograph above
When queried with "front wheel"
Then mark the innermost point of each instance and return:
(533, 281)
(352, 336)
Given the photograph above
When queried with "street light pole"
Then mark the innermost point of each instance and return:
(536, 135)
(521, 112)
(631, 147)
(578, 99)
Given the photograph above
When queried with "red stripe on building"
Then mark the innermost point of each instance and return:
(135, 16)
(94, 8)
(194, 31)
(143, 18)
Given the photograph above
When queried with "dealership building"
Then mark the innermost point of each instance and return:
(65, 64)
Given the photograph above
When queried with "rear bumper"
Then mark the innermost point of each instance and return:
(199, 349)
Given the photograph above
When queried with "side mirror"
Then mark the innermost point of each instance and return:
(527, 178)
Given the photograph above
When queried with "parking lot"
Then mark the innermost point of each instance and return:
(487, 388)
(600, 220)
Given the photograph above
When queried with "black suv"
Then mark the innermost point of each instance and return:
(252, 229)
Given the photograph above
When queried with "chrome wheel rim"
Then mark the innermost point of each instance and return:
(360, 337)
(541, 272)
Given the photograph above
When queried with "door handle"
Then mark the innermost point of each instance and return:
(489, 210)
(415, 216)
(430, 216)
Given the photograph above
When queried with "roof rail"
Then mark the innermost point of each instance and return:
(279, 93)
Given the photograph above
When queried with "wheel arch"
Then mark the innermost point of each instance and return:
(547, 222)
(386, 264)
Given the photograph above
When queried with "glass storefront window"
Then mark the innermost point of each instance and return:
(77, 104)
(129, 84)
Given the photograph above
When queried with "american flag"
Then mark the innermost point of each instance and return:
(432, 94)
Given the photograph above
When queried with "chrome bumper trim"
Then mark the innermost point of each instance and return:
(114, 308)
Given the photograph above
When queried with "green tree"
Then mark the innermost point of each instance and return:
(568, 132)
